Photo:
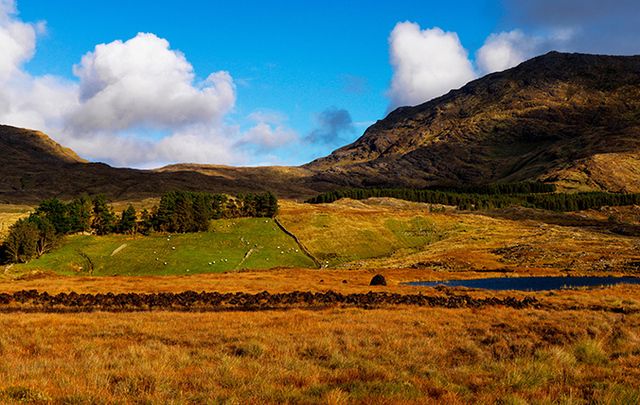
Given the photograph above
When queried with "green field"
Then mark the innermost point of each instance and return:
(247, 243)
(343, 235)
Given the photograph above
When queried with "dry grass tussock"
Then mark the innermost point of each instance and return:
(332, 356)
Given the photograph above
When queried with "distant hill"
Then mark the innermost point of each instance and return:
(570, 119)
(34, 167)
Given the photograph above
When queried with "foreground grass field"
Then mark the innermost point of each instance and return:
(576, 347)
(333, 356)
(247, 243)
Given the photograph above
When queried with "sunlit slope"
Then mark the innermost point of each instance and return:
(248, 243)
(350, 231)
(388, 233)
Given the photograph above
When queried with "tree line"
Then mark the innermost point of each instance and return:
(178, 211)
(493, 198)
(181, 211)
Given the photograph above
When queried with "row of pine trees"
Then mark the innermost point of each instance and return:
(178, 211)
(496, 197)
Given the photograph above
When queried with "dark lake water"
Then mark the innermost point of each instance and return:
(530, 283)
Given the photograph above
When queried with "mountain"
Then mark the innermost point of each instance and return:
(34, 167)
(570, 119)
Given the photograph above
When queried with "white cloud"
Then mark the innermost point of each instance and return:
(17, 40)
(143, 82)
(201, 144)
(34, 102)
(269, 132)
(505, 50)
(135, 103)
(426, 63)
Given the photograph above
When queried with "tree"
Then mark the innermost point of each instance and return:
(145, 225)
(103, 217)
(183, 218)
(202, 211)
(56, 212)
(79, 211)
(47, 237)
(272, 205)
(218, 205)
(21, 242)
(127, 222)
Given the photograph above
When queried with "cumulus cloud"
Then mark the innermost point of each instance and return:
(17, 40)
(143, 81)
(426, 64)
(135, 102)
(35, 102)
(331, 124)
(504, 50)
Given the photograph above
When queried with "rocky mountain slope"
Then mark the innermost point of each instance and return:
(571, 119)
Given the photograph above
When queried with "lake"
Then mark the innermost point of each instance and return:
(530, 283)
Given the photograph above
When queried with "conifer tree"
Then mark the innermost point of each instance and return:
(128, 222)
(104, 219)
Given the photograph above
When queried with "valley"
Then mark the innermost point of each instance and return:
(276, 328)
(195, 283)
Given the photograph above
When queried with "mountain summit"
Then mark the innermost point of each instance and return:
(571, 119)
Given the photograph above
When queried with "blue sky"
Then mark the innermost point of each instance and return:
(298, 66)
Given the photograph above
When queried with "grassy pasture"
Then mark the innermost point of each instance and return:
(387, 233)
(371, 234)
(247, 243)
(350, 231)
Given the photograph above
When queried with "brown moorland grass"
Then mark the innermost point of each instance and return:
(390, 355)
(357, 234)
(9, 214)
(580, 346)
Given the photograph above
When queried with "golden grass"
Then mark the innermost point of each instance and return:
(331, 356)
(9, 214)
(576, 350)
(356, 234)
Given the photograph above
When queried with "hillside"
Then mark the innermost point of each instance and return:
(571, 119)
(34, 167)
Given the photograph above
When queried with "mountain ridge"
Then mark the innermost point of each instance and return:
(34, 167)
(555, 104)
(568, 119)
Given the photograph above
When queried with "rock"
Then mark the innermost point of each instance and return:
(378, 279)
